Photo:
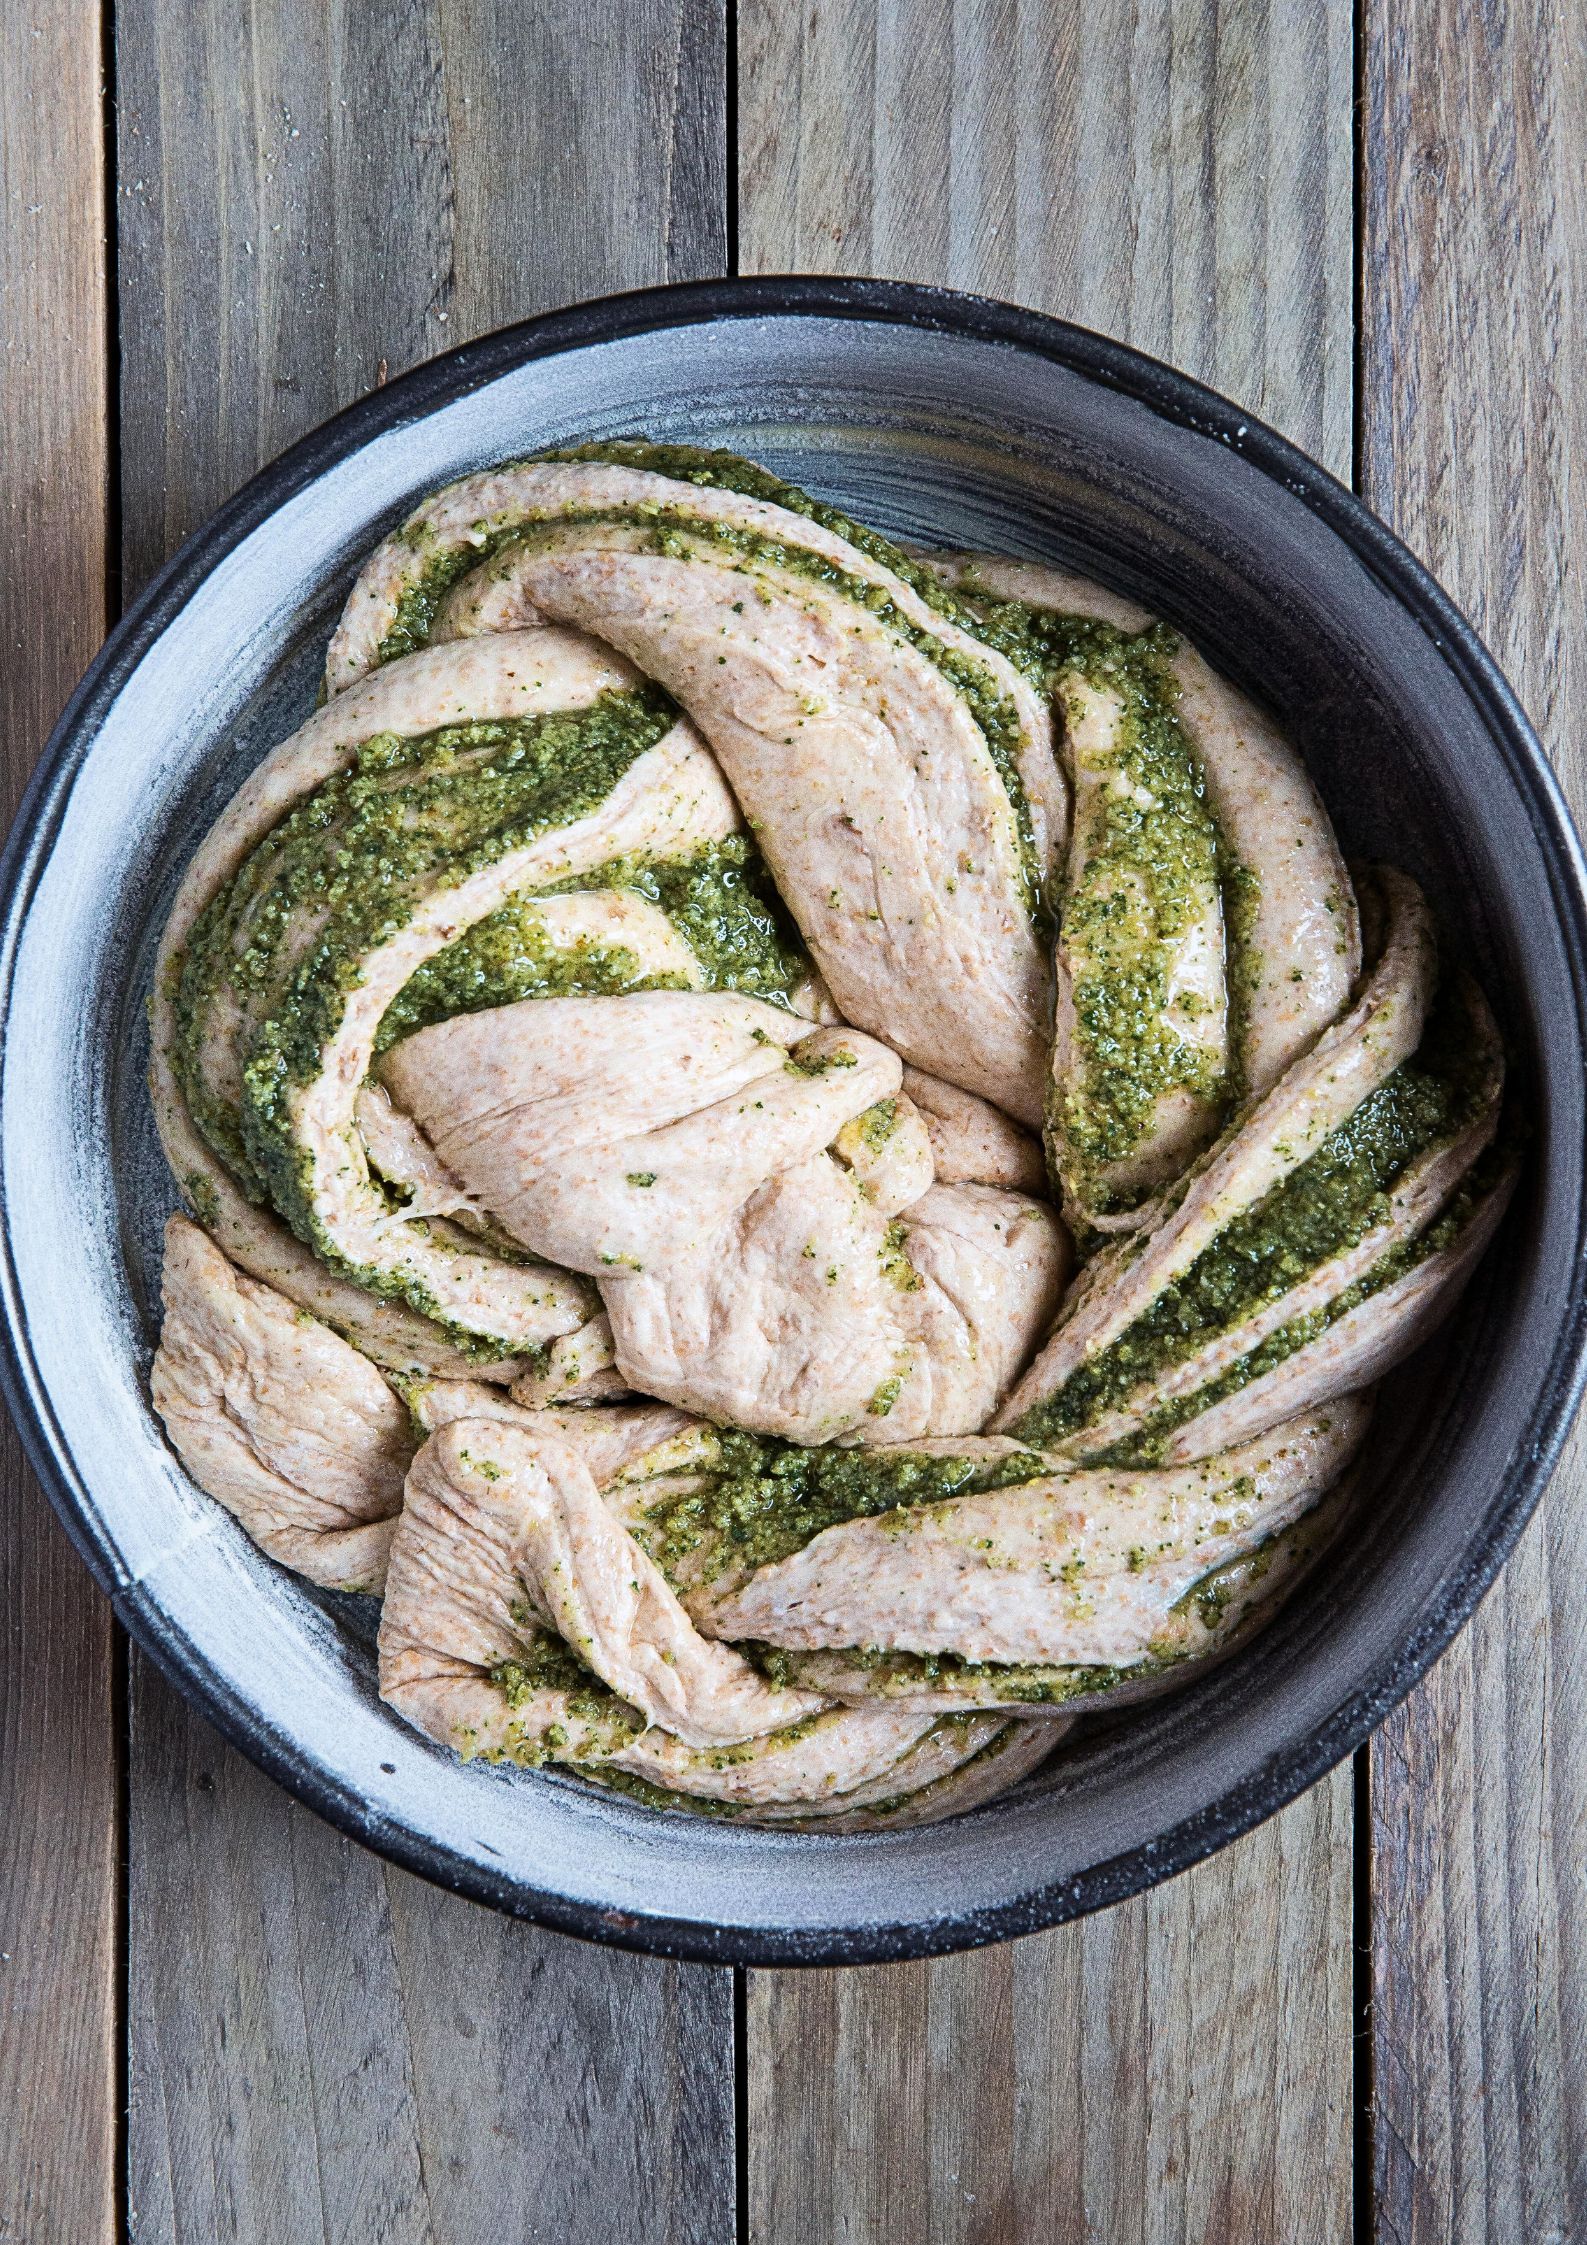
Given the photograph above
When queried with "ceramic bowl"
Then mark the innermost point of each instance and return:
(943, 419)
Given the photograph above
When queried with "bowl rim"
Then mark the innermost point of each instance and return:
(1174, 397)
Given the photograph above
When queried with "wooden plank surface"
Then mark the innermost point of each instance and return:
(1181, 177)
(59, 1872)
(321, 2048)
(1474, 424)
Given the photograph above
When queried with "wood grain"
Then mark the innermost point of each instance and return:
(320, 2048)
(1474, 426)
(311, 193)
(1178, 176)
(1181, 177)
(326, 2048)
(59, 1872)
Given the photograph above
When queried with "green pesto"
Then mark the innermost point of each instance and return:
(340, 876)
(230, 938)
(897, 1268)
(725, 905)
(1154, 856)
(900, 1675)
(728, 471)
(1320, 1210)
(656, 1796)
(506, 958)
(409, 1388)
(820, 1063)
(549, 1665)
(607, 1724)
(675, 531)
(692, 1804)
(1161, 849)
(686, 537)
(750, 1749)
(719, 900)
(1242, 901)
(1225, 1587)
(403, 817)
(204, 1199)
(1217, 1600)
(886, 1396)
(421, 602)
(479, 792)
(767, 1498)
(1046, 642)
(651, 1795)
(1146, 868)
(878, 1124)
(1147, 1445)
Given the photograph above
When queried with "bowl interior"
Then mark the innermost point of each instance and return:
(934, 437)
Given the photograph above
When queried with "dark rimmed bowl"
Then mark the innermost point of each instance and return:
(941, 418)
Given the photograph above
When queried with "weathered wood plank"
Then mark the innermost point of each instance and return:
(321, 192)
(320, 2048)
(1474, 413)
(58, 1754)
(1181, 177)
(1177, 2069)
